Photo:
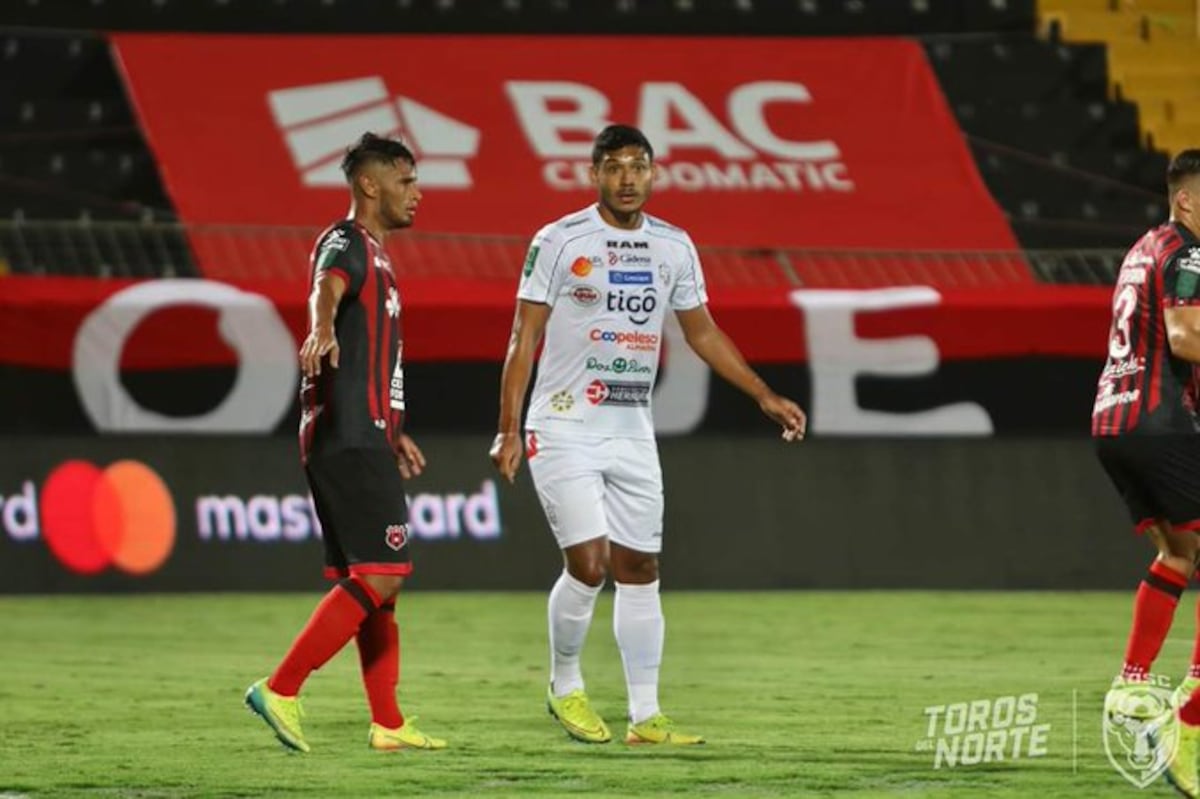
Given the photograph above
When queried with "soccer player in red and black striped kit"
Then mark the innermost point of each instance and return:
(1146, 423)
(354, 450)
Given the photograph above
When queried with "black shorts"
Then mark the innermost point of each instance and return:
(1158, 476)
(359, 498)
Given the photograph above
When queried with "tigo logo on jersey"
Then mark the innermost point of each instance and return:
(638, 306)
(122, 516)
(316, 121)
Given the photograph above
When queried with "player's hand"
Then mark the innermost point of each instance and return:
(788, 414)
(506, 453)
(319, 343)
(409, 458)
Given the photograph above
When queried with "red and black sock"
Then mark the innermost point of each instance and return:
(334, 622)
(379, 655)
(1153, 611)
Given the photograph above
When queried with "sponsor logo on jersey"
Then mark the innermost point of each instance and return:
(631, 278)
(530, 260)
(619, 366)
(562, 401)
(600, 392)
(584, 296)
(581, 267)
(627, 258)
(637, 305)
(1191, 260)
(629, 339)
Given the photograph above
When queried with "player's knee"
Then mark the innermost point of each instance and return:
(591, 571)
(385, 586)
(638, 570)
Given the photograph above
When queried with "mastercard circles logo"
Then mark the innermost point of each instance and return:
(582, 267)
(120, 517)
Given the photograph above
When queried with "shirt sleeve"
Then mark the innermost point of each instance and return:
(543, 275)
(1181, 278)
(344, 253)
(689, 290)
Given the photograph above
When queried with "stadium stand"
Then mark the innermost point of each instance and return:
(1051, 123)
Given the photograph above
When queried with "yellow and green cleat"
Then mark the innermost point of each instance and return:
(384, 739)
(281, 713)
(1181, 771)
(574, 712)
(659, 729)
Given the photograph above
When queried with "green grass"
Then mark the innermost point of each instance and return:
(800, 694)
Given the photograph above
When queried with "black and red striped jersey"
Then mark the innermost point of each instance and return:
(1144, 388)
(360, 403)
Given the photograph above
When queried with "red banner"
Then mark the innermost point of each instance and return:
(802, 143)
(180, 323)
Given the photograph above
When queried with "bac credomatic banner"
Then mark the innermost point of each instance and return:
(204, 357)
(801, 143)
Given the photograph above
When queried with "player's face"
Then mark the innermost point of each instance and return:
(398, 194)
(624, 178)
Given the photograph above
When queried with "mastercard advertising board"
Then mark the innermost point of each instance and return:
(227, 513)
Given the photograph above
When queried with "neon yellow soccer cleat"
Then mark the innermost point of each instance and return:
(1181, 772)
(659, 730)
(281, 713)
(383, 739)
(574, 712)
(1183, 691)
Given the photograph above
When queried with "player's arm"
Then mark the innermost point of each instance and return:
(717, 350)
(529, 323)
(339, 269)
(1183, 332)
(327, 292)
(1181, 303)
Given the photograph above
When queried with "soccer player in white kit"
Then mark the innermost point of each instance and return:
(597, 283)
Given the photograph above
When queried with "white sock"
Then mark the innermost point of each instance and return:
(570, 613)
(640, 628)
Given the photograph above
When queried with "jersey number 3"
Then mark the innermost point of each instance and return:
(1124, 304)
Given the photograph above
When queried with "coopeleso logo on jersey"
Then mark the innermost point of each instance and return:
(314, 120)
(629, 339)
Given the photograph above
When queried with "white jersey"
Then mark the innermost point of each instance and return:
(609, 289)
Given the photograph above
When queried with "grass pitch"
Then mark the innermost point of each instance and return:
(800, 694)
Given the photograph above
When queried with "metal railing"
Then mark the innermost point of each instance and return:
(249, 253)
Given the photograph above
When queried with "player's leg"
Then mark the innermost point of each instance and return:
(377, 550)
(1174, 484)
(634, 505)
(1128, 461)
(570, 489)
(333, 622)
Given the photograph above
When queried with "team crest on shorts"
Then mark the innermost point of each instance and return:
(396, 536)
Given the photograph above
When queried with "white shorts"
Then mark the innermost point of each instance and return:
(610, 487)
